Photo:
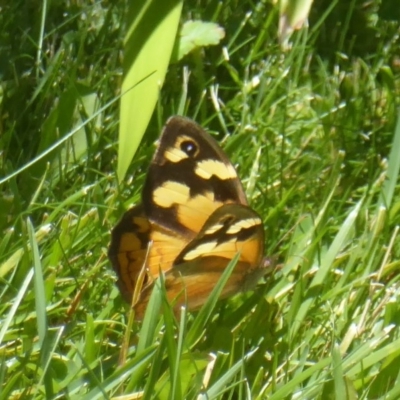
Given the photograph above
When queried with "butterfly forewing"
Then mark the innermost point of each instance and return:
(189, 178)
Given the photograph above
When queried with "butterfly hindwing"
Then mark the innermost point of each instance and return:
(127, 252)
(137, 244)
(232, 229)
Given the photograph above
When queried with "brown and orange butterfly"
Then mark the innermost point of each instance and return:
(194, 218)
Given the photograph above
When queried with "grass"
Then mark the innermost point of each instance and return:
(315, 135)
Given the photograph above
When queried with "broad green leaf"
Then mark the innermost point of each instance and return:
(148, 47)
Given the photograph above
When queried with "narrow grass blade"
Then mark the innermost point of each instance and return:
(6, 390)
(16, 303)
(153, 378)
(135, 364)
(40, 299)
(205, 312)
(337, 245)
(151, 316)
(393, 169)
(218, 387)
(290, 387)
(174, 355)
(394, 393)
(338, 377)
(41, 315)
(326, 264)
(366, 356)
(15, 258)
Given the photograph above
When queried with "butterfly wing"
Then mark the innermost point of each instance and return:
(136, 243)
(127, 252)
(188, 179)
(230, 230)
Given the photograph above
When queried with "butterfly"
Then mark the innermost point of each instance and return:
(193, 219)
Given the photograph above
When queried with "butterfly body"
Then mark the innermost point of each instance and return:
(194, 218)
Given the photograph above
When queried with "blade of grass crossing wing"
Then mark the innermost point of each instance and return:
(151, 316)
(197, 328)
(148, 46)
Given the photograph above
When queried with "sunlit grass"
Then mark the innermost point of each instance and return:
(315, 143)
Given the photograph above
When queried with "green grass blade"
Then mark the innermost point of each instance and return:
(6, 322)
(393, 169)
(153, 378)
(175, 354)
(337, 245)
(137, 363)
(40, 299)
(151, 317)
(41, 314)
(338, 377)
(326, 264)
(290, 387)
(204, 314)
(218, 387)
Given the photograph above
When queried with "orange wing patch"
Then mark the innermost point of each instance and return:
(164, 248)
(136, 243)
(128, 248)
